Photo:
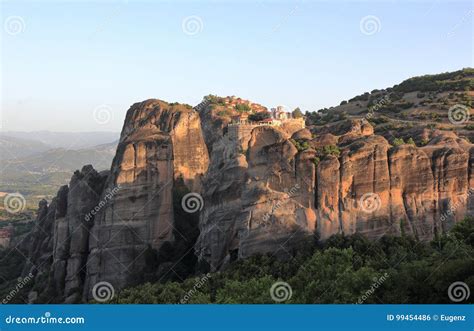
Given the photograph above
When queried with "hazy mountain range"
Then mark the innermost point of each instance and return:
(36, 163)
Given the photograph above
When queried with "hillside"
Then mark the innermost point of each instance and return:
(409, 109)
(67, 140)
(13, 148)
(42, 172)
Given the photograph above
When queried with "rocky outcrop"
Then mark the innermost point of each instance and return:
(368, 187)
(255, 203)
(261, 193)
(74, 222)
(161, 145)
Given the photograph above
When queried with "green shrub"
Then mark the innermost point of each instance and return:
(410, 141)
(342, 269)
(300, 145)
(331, 150)
(259, 116)
(297, 113)
(242, 108)
(398, 142)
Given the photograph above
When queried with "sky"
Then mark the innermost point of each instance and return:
(78, 66)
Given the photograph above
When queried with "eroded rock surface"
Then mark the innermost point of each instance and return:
(262, 193)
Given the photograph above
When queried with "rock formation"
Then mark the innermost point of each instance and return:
(161, 146)
(262, 193)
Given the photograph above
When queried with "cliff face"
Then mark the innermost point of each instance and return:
(261, 193)
(261, 199)
(160, 145)
(59, 241)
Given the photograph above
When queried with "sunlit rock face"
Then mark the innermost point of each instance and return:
(160, 145)
(255, 202)
(263, 190)
(262, 194)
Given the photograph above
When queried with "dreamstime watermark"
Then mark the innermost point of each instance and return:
(377, 106)
(458, 114)
(14, 203)
(103, 292)
(281, 292)
(200, 283)
(107, 197)
(370, 202)
(459, 291)
(22, 282)
(285, 19)
(453, 207)
(289, 194)
(202, 105)
(192, 202)
(466, 17)
(14, 25)
(370, 25)
(46, 319)
(192, 25)
(377, 282)
(102, 114)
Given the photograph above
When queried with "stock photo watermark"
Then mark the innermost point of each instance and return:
(14, 25)
(370, 202)
(14, 203)
(377, 282)
(102, 114)
(192, 203)
(370, 25)
(107, 197)
(281, 292)
(199, 284)
(192, 25)
(459, 114)
(22, 282)
(459, 292)
(103, 292)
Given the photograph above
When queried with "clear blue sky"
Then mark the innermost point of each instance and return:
(72, 57)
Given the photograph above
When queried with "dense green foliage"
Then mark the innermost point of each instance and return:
(343, 269)
(297, 113)
(331, 150)
(259, 116)
(300, 145)
(455, 81)
(398, 141)
(214, 99)
(242, 108)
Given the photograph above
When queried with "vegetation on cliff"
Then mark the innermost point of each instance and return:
(419, 103)
(340, 270)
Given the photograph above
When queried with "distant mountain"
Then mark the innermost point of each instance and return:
(41, 173)
(12, 148)
(61, 159)
(68, 140)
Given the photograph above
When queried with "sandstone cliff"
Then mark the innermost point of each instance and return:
(262, 199)
(261, 193)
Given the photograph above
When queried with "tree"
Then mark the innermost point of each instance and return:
(254, 290)
(410, 141)
(259, 116)
(297, 113)
(331, 150)
(315, 283)
(398, 142)
(242, 108)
